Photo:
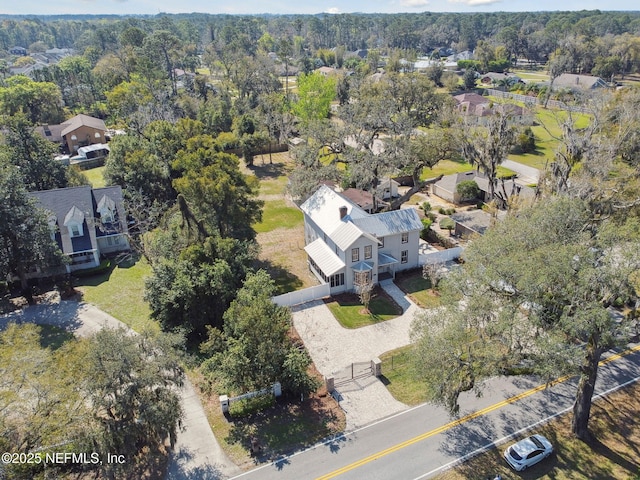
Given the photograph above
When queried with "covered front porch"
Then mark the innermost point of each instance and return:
(386, 267)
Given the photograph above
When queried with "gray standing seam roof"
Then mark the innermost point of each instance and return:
(390, 223)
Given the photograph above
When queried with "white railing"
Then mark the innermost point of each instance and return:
(441, 256)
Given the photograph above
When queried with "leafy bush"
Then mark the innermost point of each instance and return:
(426, 207)
(104, 266)
(432, 216)
(426, 226)
(468, 190)
(249, 406)
(525, 142)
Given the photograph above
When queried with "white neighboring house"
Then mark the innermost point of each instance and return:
(85, 223)
(343, 242)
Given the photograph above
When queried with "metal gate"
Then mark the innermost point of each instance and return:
(352, 372)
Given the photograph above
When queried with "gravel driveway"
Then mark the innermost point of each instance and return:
(333, 348)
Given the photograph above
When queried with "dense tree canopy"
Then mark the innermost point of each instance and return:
(254, 349)
(25, 236)
(113, 392)
(537, 286)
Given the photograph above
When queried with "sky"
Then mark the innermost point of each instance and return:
(124, 7)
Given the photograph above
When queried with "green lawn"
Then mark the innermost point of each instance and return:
(547, 131)
(95, 176)
(119, 292)
(418, 288)
(350, 313)
(399, 372)
(278, 214)
(273, 186)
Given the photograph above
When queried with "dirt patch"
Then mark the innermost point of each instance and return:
(282, 255)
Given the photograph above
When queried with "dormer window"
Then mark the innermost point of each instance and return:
(106, 208)
(74, 221)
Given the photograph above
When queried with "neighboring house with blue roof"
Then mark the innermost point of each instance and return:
(346, 245)
(86, 223)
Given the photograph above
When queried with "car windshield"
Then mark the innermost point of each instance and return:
(514, 454)
(537, 442)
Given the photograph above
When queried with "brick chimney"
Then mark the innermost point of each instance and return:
(343, 212)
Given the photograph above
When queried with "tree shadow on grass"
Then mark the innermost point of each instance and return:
(285, 280)
(268, 170)
(282, 430)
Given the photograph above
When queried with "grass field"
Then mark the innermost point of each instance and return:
(400, 378)
(277, 213)
(547, 131)
(351, 314)
(95, 176)
(418, 288)
(119, 292)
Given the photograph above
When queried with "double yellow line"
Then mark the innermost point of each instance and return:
(466, 418)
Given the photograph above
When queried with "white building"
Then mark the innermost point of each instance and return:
(345, 244)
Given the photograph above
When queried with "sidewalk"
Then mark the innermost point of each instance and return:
(333, 348)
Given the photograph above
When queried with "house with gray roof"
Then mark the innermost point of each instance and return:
(86, 223)
(446, 188)
(346, 246)
(579, 82)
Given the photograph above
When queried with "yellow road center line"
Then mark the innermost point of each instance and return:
(466, 418)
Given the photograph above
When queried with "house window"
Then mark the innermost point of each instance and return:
(405, 237)
(355, 254)
(404, 256)
(337, 280)
(106, 216)
(74, 230)
(367, 252)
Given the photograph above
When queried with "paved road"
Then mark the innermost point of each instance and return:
(422, 441)
(197, 454)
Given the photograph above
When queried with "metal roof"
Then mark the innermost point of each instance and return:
(346, 234)
(323, 207)
(385, 259)
(390, 223)
(322, 255)
(362, 267)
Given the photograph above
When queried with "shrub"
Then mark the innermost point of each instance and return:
(89, 272)
(432, 216)
(525, 142)
(442, 211)
(426, 227)
(468, 190)
(426, 207)
(249, 406)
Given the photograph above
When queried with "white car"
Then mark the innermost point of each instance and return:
(528, 452)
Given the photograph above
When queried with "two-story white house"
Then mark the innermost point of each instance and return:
(345, 243)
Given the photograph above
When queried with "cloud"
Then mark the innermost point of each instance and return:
(333, 10)
(475, 3)
(414, 3)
